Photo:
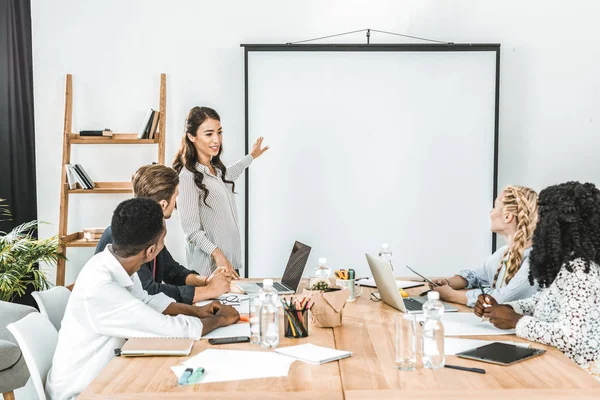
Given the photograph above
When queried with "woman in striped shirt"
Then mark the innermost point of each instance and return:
(206, 202)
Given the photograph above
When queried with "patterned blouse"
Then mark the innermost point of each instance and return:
(566, 315)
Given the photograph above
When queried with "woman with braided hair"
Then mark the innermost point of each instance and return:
(565, 263)
(505, 272)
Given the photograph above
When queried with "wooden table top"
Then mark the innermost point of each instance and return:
(367, 331)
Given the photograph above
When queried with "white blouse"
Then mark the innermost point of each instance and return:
(566, 315)
(216, 225)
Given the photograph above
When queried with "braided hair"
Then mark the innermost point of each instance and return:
(569, 228)
(522, 202)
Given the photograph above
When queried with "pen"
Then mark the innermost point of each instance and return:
(485, 305)
(184, 377)
(478, 370)
(196, 376)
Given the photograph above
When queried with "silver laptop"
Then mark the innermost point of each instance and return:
(389, 293)
(292, 275)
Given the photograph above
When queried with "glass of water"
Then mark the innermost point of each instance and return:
(253, 316)
(406, 341)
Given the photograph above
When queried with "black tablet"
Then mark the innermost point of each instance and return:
(501, 353)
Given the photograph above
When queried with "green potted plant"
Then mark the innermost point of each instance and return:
(20, 254)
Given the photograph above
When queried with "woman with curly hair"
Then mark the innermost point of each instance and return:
(506, 272)
(565, 263)
(206, 202)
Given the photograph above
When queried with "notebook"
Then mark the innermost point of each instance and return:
(140, 347)
(312, 354)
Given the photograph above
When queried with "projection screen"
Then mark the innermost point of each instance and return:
(371, 144)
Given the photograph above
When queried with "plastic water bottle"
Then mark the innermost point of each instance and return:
(386, 254)
(433, 332)
(269, 315)
(323, 271)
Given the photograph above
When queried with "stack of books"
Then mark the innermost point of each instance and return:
(76, 175)
(92, 233)
(106, 133)
(149, 125)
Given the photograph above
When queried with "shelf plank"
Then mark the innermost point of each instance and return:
(105, 188)
(117, 138)
(76, 240)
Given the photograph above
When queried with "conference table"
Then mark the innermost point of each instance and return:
(368, 331)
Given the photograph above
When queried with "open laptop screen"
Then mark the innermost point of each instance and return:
(295, 266)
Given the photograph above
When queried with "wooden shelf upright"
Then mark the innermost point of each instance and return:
(76, 239)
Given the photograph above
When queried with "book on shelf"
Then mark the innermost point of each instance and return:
(155, 118)
(82, 173)
(71, 177)
(92, 233)
(74, 178)
(146, 123)
(149, 125)
(77, 175)
(94, 134)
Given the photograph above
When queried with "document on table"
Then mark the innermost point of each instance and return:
(456, 345)
(239, 329)
(235, 365)
(468, 324)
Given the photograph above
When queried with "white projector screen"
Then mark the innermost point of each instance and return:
(368, 147)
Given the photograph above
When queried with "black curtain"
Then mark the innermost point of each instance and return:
(17, 139)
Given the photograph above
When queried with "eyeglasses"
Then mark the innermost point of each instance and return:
(374, 298)
(232, 300)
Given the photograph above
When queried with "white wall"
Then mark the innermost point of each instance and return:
(117, 49)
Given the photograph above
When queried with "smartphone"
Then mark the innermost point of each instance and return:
(229, 340)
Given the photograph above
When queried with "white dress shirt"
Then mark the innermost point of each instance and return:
(106, 307)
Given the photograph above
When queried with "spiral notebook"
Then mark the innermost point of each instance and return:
(313, 354)
(158, 346)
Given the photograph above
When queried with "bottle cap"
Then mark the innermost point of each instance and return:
(385, 246)
(322, 261)
(433, 295)
(268, 282)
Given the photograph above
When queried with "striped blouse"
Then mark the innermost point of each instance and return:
(207, 228)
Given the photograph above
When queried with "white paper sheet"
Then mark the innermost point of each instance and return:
(234, 365)
(468, 324)
(401, 284)
(456, 345)
(242, 308)
(240, 329)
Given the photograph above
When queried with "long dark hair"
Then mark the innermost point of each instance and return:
(186, 155)
(568, 228)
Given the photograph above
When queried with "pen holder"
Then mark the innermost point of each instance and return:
(295, 324)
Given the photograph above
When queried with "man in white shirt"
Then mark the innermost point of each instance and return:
(109, 305)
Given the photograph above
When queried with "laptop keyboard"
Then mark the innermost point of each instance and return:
(278, 286)
(413, 304)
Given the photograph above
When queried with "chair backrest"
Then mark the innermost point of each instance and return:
(52, 303)
(37, 338)
(11, 312)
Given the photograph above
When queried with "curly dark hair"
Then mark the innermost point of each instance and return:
(186, 156)
(568, 228)
(136, 225)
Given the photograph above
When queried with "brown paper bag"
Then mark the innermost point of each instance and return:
(327, 310)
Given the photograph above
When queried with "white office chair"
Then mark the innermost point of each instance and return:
(37, 339)
(52, 303)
